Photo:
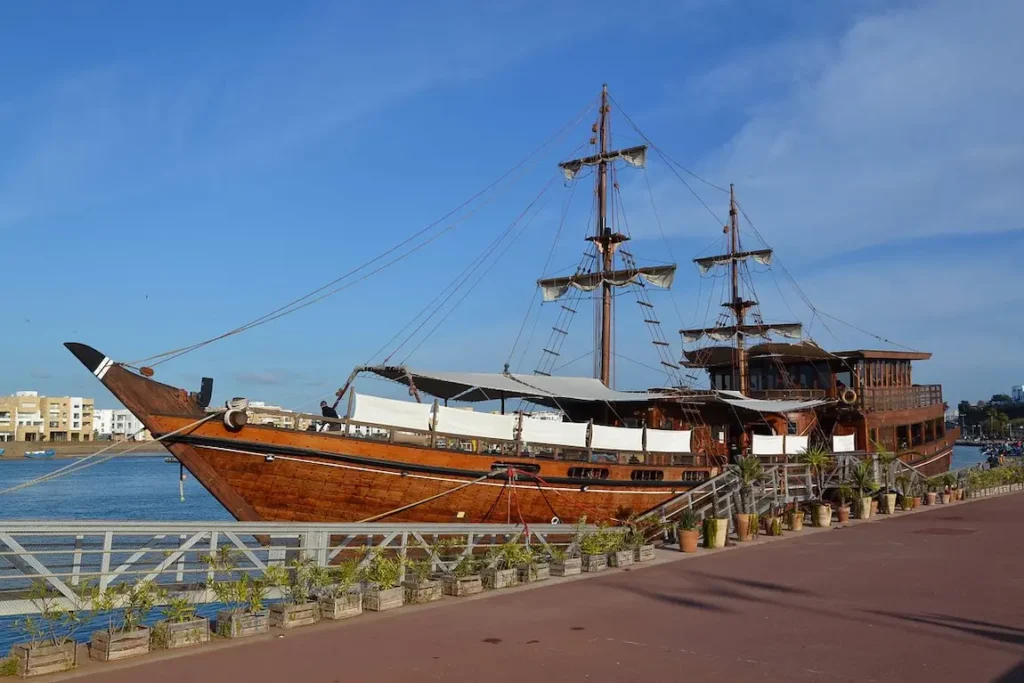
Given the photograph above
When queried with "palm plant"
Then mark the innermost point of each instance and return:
(886, 459)
(863, 479)
(845, 494)
(750, 472)
(817, 458)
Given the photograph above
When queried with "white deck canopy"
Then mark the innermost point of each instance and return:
(735, 398)
(482, 386)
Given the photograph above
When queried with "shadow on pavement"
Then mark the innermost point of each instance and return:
(1003, 634)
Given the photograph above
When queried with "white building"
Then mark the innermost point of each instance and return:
(1017, 393)
(119, 425)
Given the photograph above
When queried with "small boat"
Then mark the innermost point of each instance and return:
(170, 458)
(1, 452)
(48, 453)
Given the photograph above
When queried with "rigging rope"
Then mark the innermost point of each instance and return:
(308, 299)
(84, 463)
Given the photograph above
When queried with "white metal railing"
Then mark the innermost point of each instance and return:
(68, 555)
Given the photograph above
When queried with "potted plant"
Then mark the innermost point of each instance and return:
(863, 479)
(50, 646)
(949, 492)
(180, 626)
(615, 546)
(337, 593)
(749, 472)
(459, 573)
(245, 613)
(795, 519)
(773, 522)
(593, 547)
(639, 536)
(819, 461)
(382, 577)
(905, 483)
(715, 532)
(125, 636)
(932, 492)
(533, 566)
(688, 530)
(887, 459)
(845, 494)
(419, 585)
(565, 561)
(298, 607)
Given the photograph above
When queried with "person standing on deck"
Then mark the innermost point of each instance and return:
(331, 412)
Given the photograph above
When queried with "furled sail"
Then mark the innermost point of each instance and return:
(659, 276)
(634, 156)
(762, 256)
(791, 330)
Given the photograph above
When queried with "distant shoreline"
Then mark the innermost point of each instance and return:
(15, 450)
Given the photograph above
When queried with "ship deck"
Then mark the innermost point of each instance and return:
(935, 595)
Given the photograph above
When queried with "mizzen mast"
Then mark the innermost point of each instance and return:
(737, 304)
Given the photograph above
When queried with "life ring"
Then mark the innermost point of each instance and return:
(849, 397)
(556, 520)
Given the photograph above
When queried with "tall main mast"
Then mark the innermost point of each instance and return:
(602, 235)
(738, 307)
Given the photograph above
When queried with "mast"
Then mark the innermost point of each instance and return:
(738, 309)
(737, 304)
(603, 236)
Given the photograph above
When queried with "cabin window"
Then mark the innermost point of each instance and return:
(647, 475)
(873, 436)
(791, 428)
(588, 473)
(693, 475)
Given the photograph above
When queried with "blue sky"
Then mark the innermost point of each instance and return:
(170, 172)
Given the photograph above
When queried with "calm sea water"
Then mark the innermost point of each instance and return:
(137, 488)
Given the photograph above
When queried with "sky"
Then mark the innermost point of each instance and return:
(173, 171)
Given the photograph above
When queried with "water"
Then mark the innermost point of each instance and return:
(966, 456)
(128, 488)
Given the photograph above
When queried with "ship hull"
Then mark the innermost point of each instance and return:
(271, 474)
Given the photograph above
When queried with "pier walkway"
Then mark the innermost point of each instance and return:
(936, 595)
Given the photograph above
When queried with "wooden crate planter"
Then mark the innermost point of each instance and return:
(620, 558)
(341, 607)
(461, 586)
(418, 593)
(500, 578)
(538, 572)
(107, 647)
(377, 600)
(171, 635)
(571, 566)
(293, 616)
(644, 553)
(594, 563)
(36, 660)
(242, 625)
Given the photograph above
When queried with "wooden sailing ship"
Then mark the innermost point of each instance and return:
(616, 454)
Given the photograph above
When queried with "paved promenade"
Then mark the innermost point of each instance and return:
(930, 596)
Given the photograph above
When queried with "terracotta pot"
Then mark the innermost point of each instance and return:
(889, 500)
(930, 498)
(844, 513)
(917, 501)
(864, 508)
(688, 540)
(795, 520)
(742, 522)
(874, 507)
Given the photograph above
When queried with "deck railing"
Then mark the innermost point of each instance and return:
(901, 398)
(67, 555)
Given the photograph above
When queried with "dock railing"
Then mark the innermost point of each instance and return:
(67, 555)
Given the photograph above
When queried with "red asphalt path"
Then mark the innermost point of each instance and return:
(931, 596)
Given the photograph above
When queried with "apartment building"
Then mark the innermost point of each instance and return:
(27, 416)
(279, 417)
(119, 425)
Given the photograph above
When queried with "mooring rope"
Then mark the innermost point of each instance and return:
(85, 463)
(427, 500)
